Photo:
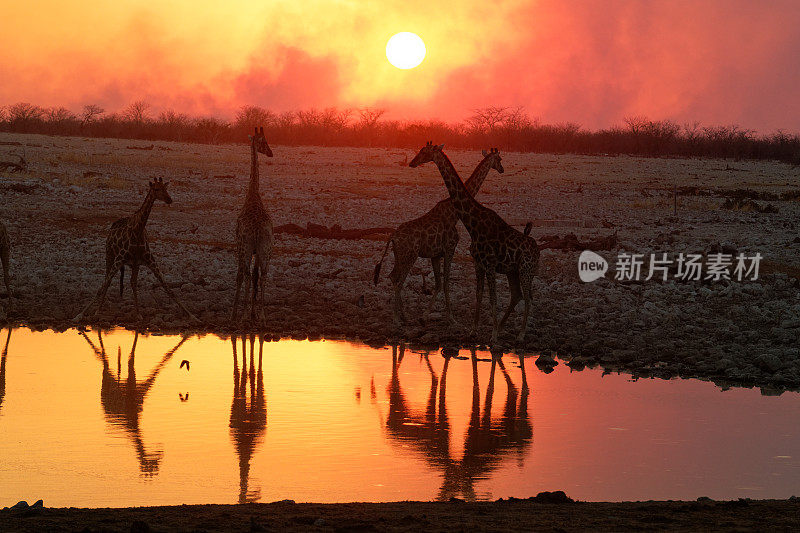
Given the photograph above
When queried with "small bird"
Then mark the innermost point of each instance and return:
(185, 362)
(183, 398)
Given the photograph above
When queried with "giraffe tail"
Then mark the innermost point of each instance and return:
(377, 272)
(121, 279)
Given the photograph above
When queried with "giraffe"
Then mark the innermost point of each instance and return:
(248, 421)
(490, 439)
(433, 235)
(123, 400)
(496, 247)
(253, 233)
(5, 250)
(127, 245)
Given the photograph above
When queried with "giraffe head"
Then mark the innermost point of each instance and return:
(260, 142)
(493, 156)
(426, 154)
(158, 187)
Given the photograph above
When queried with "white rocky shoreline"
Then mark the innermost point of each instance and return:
(742, 333)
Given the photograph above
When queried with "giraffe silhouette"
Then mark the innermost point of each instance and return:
(3, 357)
(433, 235)
(254, 236)
(248, 421)
(419, 429)
(123, 400)
(489, 439)
(496, 247)
(127, 244)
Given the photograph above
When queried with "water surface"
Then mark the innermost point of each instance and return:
(114, 420)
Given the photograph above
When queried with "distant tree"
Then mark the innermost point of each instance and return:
(210, 130)
(308, 118)
(636, 124)
(691, 134)
(513, 122)
(24, 112)
(518, 119)
(368, 117)
(251, 116)
(90, 113)
(487, 119)
(172, 118)
(287, 119)
(136, 112)
(172, 125)
(58, 115)
(24, 117)
(335, 120)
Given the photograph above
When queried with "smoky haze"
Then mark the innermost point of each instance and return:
(589, 62)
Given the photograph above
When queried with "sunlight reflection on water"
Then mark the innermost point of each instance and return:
(115, 420)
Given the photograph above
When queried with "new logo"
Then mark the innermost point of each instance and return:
(591, 266)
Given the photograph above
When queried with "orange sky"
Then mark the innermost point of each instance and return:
(591, 62)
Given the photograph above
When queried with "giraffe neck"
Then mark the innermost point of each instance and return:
(465, 205)
(475, 181)
(139, 219)
(252, 188)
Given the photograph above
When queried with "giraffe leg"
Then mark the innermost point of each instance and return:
(448, 261)
(480, 275)
(399, 315)
(151, 265)
(4, 258)
(436, 264)
(101, 293)
(261, 284)
(135, 289)
(492, 279)
(239, 278)
(516, 296)
(252, 291)
(527, 294)
(403, 262)
(248, 286)
(240, 260)
(263, 258)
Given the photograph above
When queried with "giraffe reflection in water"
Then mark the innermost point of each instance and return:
(123, 400)
(3, 368)
(489, 439)
(248, 412)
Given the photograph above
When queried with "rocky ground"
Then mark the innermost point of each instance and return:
(59, 209)
(519, 515)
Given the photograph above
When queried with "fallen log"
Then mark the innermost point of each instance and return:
(10, 166)
(319, 231)
(740, 194)
(571, 242)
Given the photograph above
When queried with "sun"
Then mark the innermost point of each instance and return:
(405, 50)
